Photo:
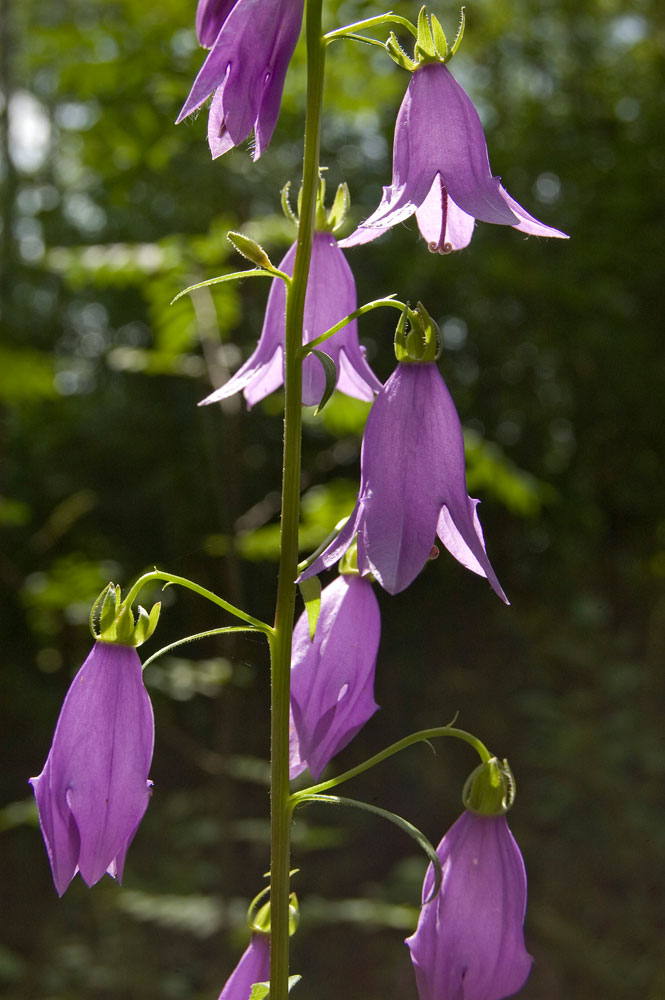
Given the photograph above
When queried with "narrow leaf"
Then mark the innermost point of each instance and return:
(460, 33)
(330, 370)
(234, 276)
(261, 991)
(311, 595)
(399, 821)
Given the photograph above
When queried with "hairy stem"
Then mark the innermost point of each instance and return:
(280, 644)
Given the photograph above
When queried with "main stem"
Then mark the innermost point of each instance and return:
(280, 643)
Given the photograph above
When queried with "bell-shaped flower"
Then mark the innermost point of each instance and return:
(245, 69)
(469, 942)
(332, 677)
(331, 295)
(253, 967)
(441, 170)
(210, 16)
(412, 486)
(94, 788)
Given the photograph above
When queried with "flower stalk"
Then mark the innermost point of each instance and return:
(280, 643)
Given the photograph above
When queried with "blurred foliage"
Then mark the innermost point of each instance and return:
(553, 354)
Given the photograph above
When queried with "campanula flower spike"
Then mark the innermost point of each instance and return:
(94, 788)
(245, 69)
(331, 295)
(469, 942)
(332, 676)
(412, 475)
(441, 168)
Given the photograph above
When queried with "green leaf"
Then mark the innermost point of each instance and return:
(234, 276)
(311, 595)
(261, 991)
(330, 370)
(403, 824)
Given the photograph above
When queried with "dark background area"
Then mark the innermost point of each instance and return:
(554, 357)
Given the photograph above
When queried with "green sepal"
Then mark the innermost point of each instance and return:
(398, 55)
(422, 344)
(490, 788)
(259, 919)
(340, 207)
(348, 564)
(261, 991)
(286, 204)
(438, 37)
(146, 623)
(110, 608)
(250, 249)
(424, 42)
(311, 595)
(124, 627)
(460, 34)
(330, 369)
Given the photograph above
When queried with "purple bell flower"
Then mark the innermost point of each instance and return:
(331, 295)
(245, 68)
(94, 788)
(412, 486)
(332, 678)
(210, 16)
(441, 170)
(469, 942)
(253, 967)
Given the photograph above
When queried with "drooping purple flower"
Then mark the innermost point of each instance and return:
(331, 295)
(210, 16)
(332, 678)
(94, 788)
(412, 486)
(246, 68)
(253, 967)
(441, 170)
(469, 942)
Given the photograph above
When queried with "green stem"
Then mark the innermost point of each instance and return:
(389, 300)
(371, 22)
(419, 737)
(280, 644)
(182, 581)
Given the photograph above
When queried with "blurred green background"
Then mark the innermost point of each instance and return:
(554, 357)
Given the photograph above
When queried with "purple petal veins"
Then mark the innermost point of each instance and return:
(332, 677)
(441, 170)
(94, 788)
(469, 942)
(412, 486)
(331, 295)
(245, 69)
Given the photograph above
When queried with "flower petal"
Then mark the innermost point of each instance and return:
(332, 677)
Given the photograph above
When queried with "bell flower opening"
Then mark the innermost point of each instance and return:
(331, 295)
(332, 677)
(412, 486)
(94, 788)
(441, 170)
(469, 942)
(245, 69)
